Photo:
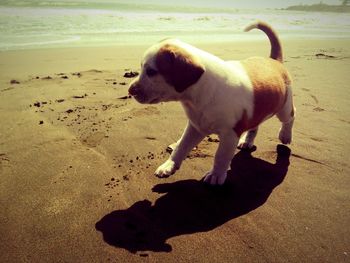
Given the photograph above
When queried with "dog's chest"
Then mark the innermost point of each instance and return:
(202, 120)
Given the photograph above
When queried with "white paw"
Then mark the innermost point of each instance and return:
(285, 136)
(166, 169)
(215, 178)
(245, 145)
(246, 142)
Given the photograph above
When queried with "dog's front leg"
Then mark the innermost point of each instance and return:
(189, 139)
(223, 157)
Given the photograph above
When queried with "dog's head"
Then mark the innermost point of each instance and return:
(167, 70)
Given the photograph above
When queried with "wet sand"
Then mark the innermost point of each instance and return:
(77, 157)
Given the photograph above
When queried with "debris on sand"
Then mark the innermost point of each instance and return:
(13, 81)
(80, 96)
(322, 55)
(78, 74)
(124, 97)
(131, 74)
(210, 139)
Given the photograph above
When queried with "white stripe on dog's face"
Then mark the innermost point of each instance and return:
(167, 71)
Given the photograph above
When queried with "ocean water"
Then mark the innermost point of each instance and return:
(39, 24)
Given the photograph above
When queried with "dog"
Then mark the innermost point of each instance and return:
(227, 98)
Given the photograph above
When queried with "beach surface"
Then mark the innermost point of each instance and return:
(77, 157)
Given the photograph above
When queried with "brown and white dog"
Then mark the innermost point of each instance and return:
(227, 98)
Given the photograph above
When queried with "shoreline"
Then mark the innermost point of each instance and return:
(202, 39)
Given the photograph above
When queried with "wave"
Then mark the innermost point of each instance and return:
(139, 6)
(28, 43)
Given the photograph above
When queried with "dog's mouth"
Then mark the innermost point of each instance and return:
(141, 98)
(154, 101)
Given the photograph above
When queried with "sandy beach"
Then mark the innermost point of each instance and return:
(77, 157)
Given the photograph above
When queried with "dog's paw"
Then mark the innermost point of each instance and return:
(243, 145)
(166, 169)
(246, 142)
(285, 136)
(215, 178)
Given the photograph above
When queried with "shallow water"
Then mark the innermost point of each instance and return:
(71, 24)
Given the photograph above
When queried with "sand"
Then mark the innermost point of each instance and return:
(77, 157)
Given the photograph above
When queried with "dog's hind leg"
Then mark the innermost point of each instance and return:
(287, 115)
(247, 139)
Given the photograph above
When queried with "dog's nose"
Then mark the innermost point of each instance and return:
(134, 89)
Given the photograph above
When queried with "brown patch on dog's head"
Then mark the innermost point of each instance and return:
(179, 68)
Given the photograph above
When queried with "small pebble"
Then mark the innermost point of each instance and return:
(13, 81)
(131, 74)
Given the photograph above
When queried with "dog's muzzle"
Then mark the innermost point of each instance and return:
(137, 92)
(134, 89)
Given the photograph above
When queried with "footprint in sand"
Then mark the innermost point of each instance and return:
(318, 109)
(311, 95)
(314, 98)
(94, 139)
(150, 110)
(3, 160)
(316, 139)
(348, 122)
(197, 154)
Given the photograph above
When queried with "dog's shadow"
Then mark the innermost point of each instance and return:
(190, 206)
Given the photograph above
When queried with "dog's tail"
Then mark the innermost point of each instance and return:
(276, 49)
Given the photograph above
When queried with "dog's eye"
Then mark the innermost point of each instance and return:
(151, 72)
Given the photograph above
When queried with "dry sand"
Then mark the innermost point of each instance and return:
(77, 158)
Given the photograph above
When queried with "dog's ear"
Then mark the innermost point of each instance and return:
(179, 68)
